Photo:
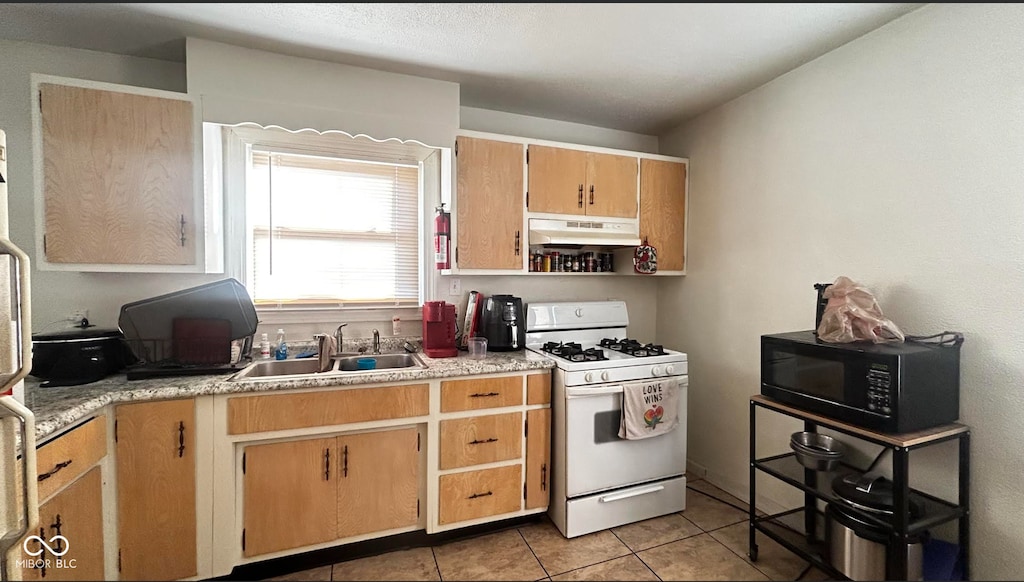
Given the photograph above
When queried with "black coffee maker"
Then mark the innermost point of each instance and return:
(503, 323)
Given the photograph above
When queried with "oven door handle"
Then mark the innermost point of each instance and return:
(628, 494)
(583, 392)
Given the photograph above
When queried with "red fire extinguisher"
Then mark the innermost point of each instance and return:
(442, 238)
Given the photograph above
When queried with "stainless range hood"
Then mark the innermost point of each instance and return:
(607, 232)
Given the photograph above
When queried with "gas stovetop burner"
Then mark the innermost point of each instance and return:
(574, 352)
(632, 347)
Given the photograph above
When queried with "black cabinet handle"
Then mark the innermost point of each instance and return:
(344, 462)
(54, 470)
(475, 495)
(581, 196)
(478, 442)
(484, 395)
(544, 477)
(182, 230)
(591, 193)
(327, 464)
(55, 526)
(517, 243)
(181, 439)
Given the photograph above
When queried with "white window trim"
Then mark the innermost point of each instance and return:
(235, 151)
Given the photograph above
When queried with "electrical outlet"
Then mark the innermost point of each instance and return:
(454, 286)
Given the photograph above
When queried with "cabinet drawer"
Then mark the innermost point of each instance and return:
(61, 460)
(481, 393)
(476, 494)
(250, 414)
(481, 439)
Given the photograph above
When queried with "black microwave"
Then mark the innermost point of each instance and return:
(891, 388)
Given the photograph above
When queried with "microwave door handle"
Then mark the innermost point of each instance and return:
(23, 333)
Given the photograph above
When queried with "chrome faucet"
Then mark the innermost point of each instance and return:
(338, 337)
(376, 343)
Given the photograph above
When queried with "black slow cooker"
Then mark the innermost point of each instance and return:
(79, 356)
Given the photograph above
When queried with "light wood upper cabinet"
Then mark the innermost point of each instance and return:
(538, 457)
(663, 211)
(557, 179)
(156, 489)
(118, 177)
(291, 491)
(489, 204)
(611, 189)
(567, 181)
(75, 513)
(378, 487)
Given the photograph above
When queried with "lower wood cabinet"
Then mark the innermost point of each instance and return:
(156, 489)
(299, 493)
(290, 495)
(76, 513)
(476, 494)
(538, 457)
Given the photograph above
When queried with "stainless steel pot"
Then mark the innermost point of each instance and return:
(858, 549)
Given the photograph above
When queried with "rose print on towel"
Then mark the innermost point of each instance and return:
(653, 416)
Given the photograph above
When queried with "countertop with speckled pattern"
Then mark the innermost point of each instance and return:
(59, 407)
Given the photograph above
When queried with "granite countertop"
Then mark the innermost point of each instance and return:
(58, 407)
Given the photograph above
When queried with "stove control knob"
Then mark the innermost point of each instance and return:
(588, 377)
(669, 369)
(656, 371)
(579, 312)
(604, 376)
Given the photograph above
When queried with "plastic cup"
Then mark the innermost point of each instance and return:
(366, 363)
(477, 347)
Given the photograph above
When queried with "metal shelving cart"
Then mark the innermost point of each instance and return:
(797, 529)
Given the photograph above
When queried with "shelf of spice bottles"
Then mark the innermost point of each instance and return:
(571, 263)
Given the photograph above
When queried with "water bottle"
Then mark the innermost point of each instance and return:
(281, 351)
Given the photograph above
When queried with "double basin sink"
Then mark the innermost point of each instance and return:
(341, 365)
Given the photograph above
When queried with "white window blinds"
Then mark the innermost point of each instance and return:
(332, 232)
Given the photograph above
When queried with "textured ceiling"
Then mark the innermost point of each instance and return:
(636, 67)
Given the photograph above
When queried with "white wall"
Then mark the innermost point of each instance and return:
(640, 294)
(55, 294)
(894, 160)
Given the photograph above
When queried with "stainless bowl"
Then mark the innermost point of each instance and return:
(816, 451)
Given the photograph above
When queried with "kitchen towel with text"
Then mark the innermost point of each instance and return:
(649, 408)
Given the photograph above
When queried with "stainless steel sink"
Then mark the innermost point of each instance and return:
(342, 364)
(273, 368)
(383, 362)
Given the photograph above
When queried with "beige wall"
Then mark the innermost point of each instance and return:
(894, 160)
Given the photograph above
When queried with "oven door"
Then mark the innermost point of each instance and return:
(597, 459)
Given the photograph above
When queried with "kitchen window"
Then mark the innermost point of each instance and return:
(331, 231)
(325, 221)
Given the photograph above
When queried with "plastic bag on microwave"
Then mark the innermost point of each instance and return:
(852, 315)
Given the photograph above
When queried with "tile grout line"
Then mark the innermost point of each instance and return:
(649, 569)
(635, 554)
(744, 558)
(436, 565)
(535, 556)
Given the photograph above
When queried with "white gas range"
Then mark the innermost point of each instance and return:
(598, 479)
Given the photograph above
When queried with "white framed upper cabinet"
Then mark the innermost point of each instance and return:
(119, 179)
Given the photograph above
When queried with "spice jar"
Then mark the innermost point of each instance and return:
(556, 262)
(546, 264)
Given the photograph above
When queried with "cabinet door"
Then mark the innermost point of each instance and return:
(538, 457)
(378, 486)
(663, 211)
(291, 492)
(611, 185)
(118, 177)
(556, 178)
(156, 489)
(76, 513)
(489, 200)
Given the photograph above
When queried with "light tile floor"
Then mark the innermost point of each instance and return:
(708, 541)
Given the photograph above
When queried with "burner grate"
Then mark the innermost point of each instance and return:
(574, 352)
(632, 347)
